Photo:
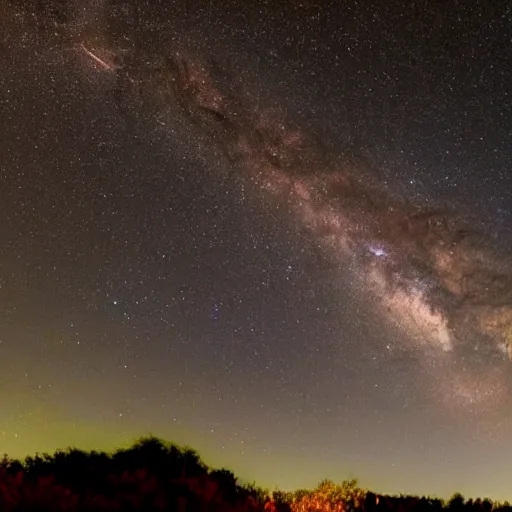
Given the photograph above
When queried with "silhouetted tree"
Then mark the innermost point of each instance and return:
(487, 505)
(153, 476)
(456, 503)
(226, 482)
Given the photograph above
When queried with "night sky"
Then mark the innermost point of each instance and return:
(282, 237)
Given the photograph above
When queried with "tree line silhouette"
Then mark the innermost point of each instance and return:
(154, 475)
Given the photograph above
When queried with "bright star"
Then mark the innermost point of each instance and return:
(378, 251)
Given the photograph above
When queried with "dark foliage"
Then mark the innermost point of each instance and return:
(156, 476)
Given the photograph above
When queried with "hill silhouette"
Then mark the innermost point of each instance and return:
(153, 475)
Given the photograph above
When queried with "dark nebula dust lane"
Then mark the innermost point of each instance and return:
(186, 230)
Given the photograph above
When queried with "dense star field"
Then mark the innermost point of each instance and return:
(281, 236)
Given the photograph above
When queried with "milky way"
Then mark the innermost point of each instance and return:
(429, 271)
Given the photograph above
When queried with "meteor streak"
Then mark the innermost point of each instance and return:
(101, 62)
